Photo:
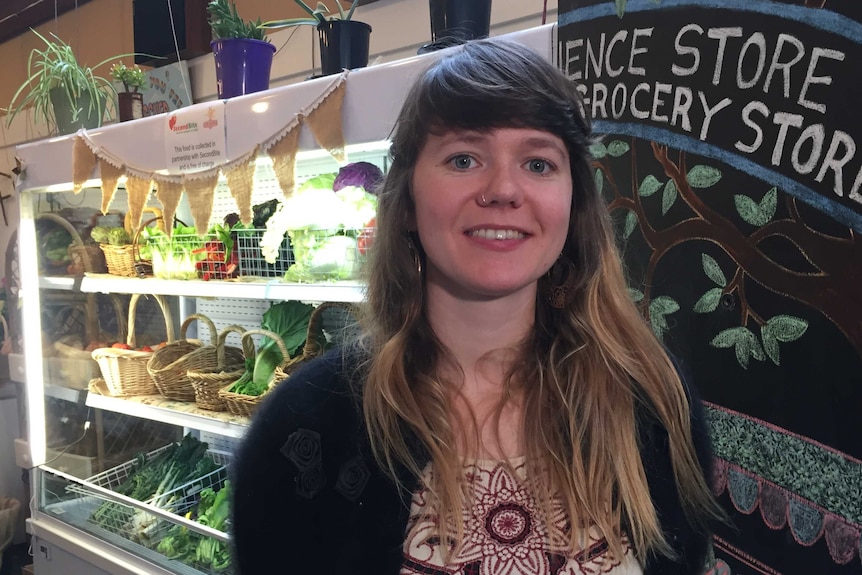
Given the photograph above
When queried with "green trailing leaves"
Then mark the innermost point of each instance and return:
(659, 309)
(600, 181)
(713, 271)
(668, 196)
(709, 301)
(702, 176)
(636, 295)
(757, 214)
(631, 223)
(618, 148)
(649, 186)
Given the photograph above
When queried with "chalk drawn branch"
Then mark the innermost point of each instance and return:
(831, 286)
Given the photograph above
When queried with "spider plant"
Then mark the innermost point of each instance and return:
(56, 69)
(319, 15)
(225, 22)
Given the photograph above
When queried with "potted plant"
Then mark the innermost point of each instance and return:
(344, 42)
(61, 91)
(243, 55)
(130, 102)
(456, 21)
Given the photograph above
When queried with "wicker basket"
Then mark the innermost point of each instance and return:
(125, 371)
(124, 260)
(228, 367)
(169, 364)
(82, 257)
(241, 404)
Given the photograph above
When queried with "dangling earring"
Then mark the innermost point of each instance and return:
(561, 281)
(414, 253)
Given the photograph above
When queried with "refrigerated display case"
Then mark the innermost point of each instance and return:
(83, 443)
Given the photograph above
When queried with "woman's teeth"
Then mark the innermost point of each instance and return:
(497, 234)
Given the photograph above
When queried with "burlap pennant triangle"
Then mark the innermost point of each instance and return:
(110, 175)
(168, 194)
(83, 162)
(283, 155)
(200, 195)
(138, 189)
(240, 180)
(325, 123)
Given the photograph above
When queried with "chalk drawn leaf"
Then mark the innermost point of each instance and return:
(702, 176)
(709, 301)
(631, 223)
(649, 186)
(600, 181)
(668, 196)
(726, 338)
(749, 210)
(636, 295)
(621, 7)
(787, 328)
(754, 345)
(598, 150)
(618, 148)
(713, 271)
(743, 350)
(769, 203)
(658, 309)
(770, 344)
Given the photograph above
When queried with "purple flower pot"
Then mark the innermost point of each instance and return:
(242, 65)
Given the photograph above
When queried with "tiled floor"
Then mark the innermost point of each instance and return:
(14, 557)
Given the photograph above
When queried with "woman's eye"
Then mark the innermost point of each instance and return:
(539, 166)
(462, 161)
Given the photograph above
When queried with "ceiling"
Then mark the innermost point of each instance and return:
(18, 16)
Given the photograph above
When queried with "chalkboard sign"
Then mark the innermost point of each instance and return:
(731, 158)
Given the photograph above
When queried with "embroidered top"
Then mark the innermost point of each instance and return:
(504, 534)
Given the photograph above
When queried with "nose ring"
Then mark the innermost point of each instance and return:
(483, 202)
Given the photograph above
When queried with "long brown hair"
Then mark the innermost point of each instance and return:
(583, 368)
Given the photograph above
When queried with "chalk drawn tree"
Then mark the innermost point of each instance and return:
(830, 283)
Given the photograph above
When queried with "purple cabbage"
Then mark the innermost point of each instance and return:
(364, 175)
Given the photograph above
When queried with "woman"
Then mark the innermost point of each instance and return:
(507, 410)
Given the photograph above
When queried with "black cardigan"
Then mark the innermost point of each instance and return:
(309, 498)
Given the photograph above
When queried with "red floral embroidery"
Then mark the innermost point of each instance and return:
(503, 534)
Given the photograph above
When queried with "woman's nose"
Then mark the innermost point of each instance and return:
(503, 186)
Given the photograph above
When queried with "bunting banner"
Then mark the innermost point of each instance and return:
(83, 163)
(283, 155)
(200, 193)
(169, 193)
(138, 190)
(324, 120)
(323, 117)
(111, 175)
(240, 180)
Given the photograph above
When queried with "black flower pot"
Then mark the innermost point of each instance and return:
(457, 21)
(343, 45)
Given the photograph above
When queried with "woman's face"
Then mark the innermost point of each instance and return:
(492, 209)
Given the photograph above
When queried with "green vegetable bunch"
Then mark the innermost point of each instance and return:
(193, 549)
(112, 236)
(288, 319)
(227, 23)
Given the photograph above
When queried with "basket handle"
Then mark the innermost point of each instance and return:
(64, 223)
(311, 349)
(166, 312)
(247, 344)
(285, 356)
(200, 317)
(157, 215)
